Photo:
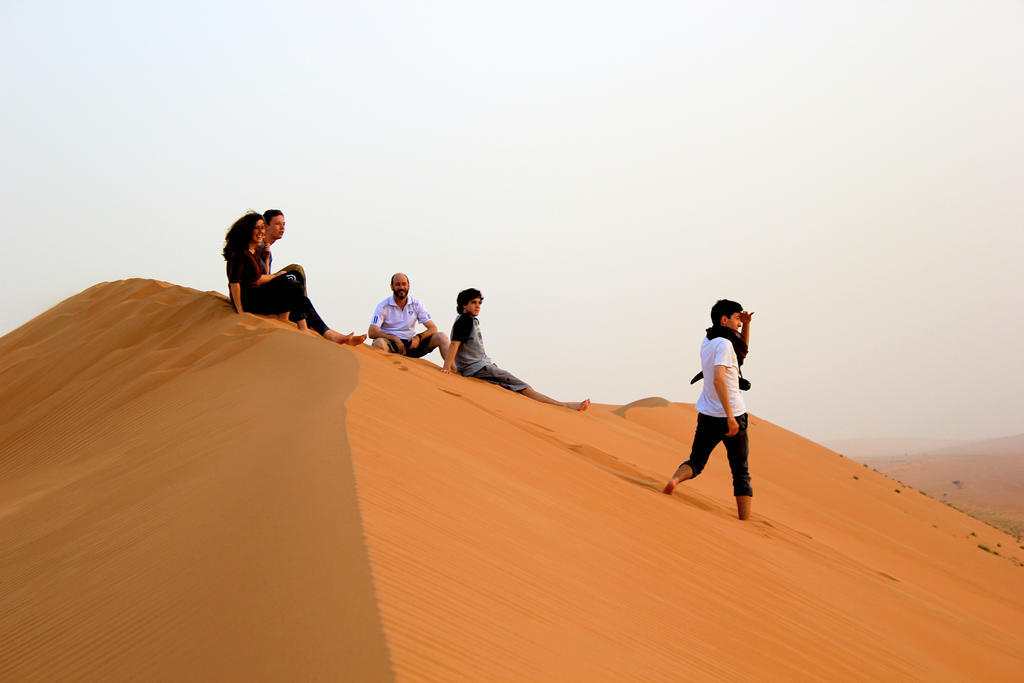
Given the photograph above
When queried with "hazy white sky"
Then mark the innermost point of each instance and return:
(603, 171)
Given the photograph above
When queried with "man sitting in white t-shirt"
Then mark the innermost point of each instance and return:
(721, 413)
(393, 327)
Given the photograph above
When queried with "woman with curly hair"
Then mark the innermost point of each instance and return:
(254, 291)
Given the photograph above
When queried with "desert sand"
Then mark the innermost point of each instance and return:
(187, 493)
(984, 478)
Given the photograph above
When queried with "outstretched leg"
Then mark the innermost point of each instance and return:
(706, 436)
(683, 473)
(317, 324)
(529, 392)
(351, 338)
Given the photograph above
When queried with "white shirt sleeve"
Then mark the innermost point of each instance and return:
(421, 313)
(378, 315)
(725, 354)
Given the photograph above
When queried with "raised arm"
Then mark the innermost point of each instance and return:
(745, 318)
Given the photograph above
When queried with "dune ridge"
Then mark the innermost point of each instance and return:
(379, 519)
(156, 524)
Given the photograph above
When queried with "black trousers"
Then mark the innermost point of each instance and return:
(710, 431)
(313, 318)
(283, 294)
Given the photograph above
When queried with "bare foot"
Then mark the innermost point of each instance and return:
(581, 406)
(339, 338)
(670, 487)
(336, 337)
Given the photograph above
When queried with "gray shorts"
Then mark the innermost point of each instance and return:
(503, 378)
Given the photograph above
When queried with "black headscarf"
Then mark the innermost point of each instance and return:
(738, 345)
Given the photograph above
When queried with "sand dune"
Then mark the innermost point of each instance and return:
(191, 493)
(984, 478)
(158, 521)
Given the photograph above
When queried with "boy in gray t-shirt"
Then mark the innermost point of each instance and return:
(470, 359)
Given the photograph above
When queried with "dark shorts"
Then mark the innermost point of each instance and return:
(503, 378)
(420, 351)
(710, 431)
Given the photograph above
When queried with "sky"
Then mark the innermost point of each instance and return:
(851, 172)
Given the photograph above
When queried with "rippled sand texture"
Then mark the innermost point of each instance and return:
(188, 493)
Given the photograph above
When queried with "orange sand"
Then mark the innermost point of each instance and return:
(189, 493)
(988, 484)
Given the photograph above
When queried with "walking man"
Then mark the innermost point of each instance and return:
(721, 413)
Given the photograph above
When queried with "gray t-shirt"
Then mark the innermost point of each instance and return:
(471, 356)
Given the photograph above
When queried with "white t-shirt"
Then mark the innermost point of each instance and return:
(397, 321)
(719, 352)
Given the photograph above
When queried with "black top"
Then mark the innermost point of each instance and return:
(244, 268)
(462, 330)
